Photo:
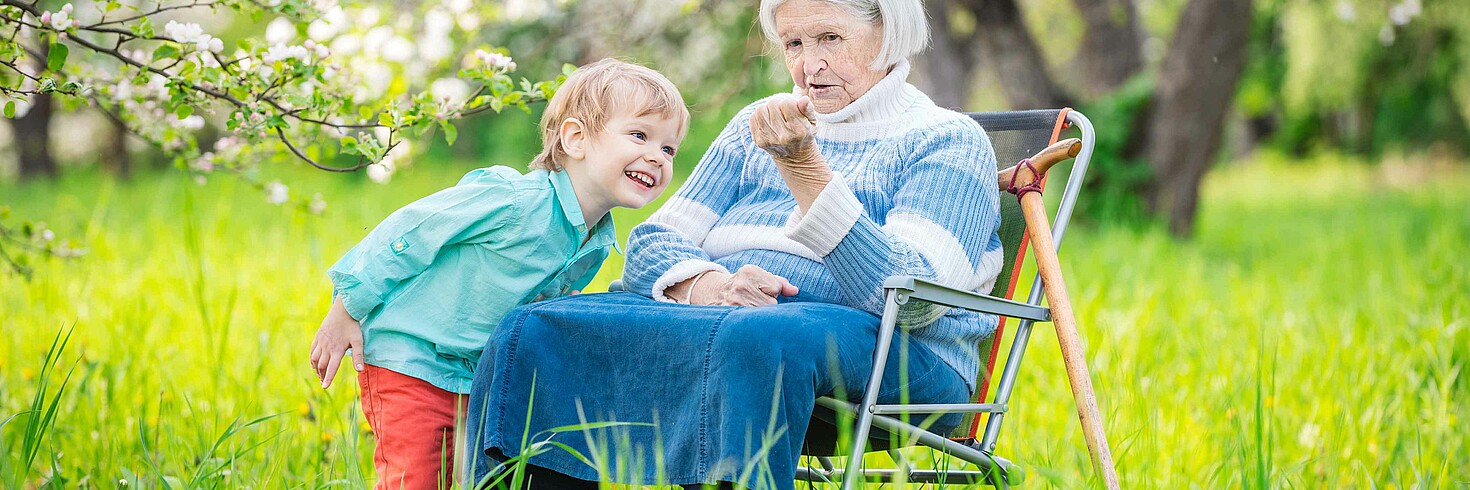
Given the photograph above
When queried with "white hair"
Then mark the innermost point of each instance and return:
(905, 27)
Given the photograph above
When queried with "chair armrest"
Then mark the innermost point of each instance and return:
(935, 293)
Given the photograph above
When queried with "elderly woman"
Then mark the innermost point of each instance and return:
(754, 290)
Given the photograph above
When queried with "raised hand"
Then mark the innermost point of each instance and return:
(784, 127)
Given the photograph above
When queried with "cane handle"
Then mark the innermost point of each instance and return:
(1042, 161)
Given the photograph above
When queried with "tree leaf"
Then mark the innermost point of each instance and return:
(56, 60)
(165, 51)
(450, 132)
(10, 109)
(183, 111)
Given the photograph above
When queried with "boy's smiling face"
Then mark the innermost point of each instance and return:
(627, 164)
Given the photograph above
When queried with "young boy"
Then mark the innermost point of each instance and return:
(417, 299)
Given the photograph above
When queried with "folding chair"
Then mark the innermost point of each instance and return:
(1014, 136)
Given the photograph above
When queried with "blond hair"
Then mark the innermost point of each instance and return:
(597, 92)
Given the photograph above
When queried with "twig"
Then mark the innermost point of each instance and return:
(159, 9)
(362, 162)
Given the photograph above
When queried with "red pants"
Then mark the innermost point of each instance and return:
(414, 424)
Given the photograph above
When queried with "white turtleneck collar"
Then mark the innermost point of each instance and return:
(888, 98)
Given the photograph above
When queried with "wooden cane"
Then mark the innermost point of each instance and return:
(1018, 179)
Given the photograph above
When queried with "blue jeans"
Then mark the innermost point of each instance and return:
(701, 393)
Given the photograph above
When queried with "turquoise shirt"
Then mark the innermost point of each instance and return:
(433, 280)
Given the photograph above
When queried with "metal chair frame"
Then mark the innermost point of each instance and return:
(899, 290)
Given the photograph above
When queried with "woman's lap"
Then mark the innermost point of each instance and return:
(731, 390)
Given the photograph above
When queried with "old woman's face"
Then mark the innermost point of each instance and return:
(828, 52)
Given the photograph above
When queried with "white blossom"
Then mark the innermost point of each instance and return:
(382, 171)
(458, 6)
(281, 52)
(190, 123)
(159, 85)
(321, 30)
(348, 44)
(437, 22)
(450, 89)
(276, 192)
(1405, 11)
(398, 49)
(368, 16)
(400, 153)
(205, 162)
(435, 47)
(495, 60)
(60, 20)
(191, 33)
(468, 22)
(280, 31)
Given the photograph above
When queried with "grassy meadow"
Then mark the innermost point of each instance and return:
(1314, 334)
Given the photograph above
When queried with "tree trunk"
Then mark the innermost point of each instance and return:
(32, 136)
(945, 70)
(1009, 47)
(118, 160)
(1195, 88)
(1112, 43)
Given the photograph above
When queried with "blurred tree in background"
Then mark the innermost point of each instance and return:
(1165, 79)
(1170, 82)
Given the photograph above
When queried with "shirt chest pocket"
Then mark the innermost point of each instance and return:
(567, 278)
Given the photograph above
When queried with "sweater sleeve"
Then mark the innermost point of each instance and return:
(667, 248)
(408, 240)
(942, 226)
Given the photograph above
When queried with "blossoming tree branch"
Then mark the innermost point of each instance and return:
(348, 97)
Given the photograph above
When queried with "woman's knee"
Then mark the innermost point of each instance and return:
(807, 337)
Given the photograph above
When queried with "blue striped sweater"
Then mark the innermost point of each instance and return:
(913, 193)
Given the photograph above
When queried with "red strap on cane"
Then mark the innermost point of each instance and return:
(1034, 186)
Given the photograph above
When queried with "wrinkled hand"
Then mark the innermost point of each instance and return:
(785, 129)
(748, 286)
(338, 333)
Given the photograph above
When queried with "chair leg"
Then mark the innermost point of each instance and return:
(870, 397)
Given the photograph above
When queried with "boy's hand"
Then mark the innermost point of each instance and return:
(338, 333)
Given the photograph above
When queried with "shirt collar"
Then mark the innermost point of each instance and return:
(603, 233)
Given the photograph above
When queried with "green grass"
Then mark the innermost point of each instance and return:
(1313, 334)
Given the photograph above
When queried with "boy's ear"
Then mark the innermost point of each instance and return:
(573, 136)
